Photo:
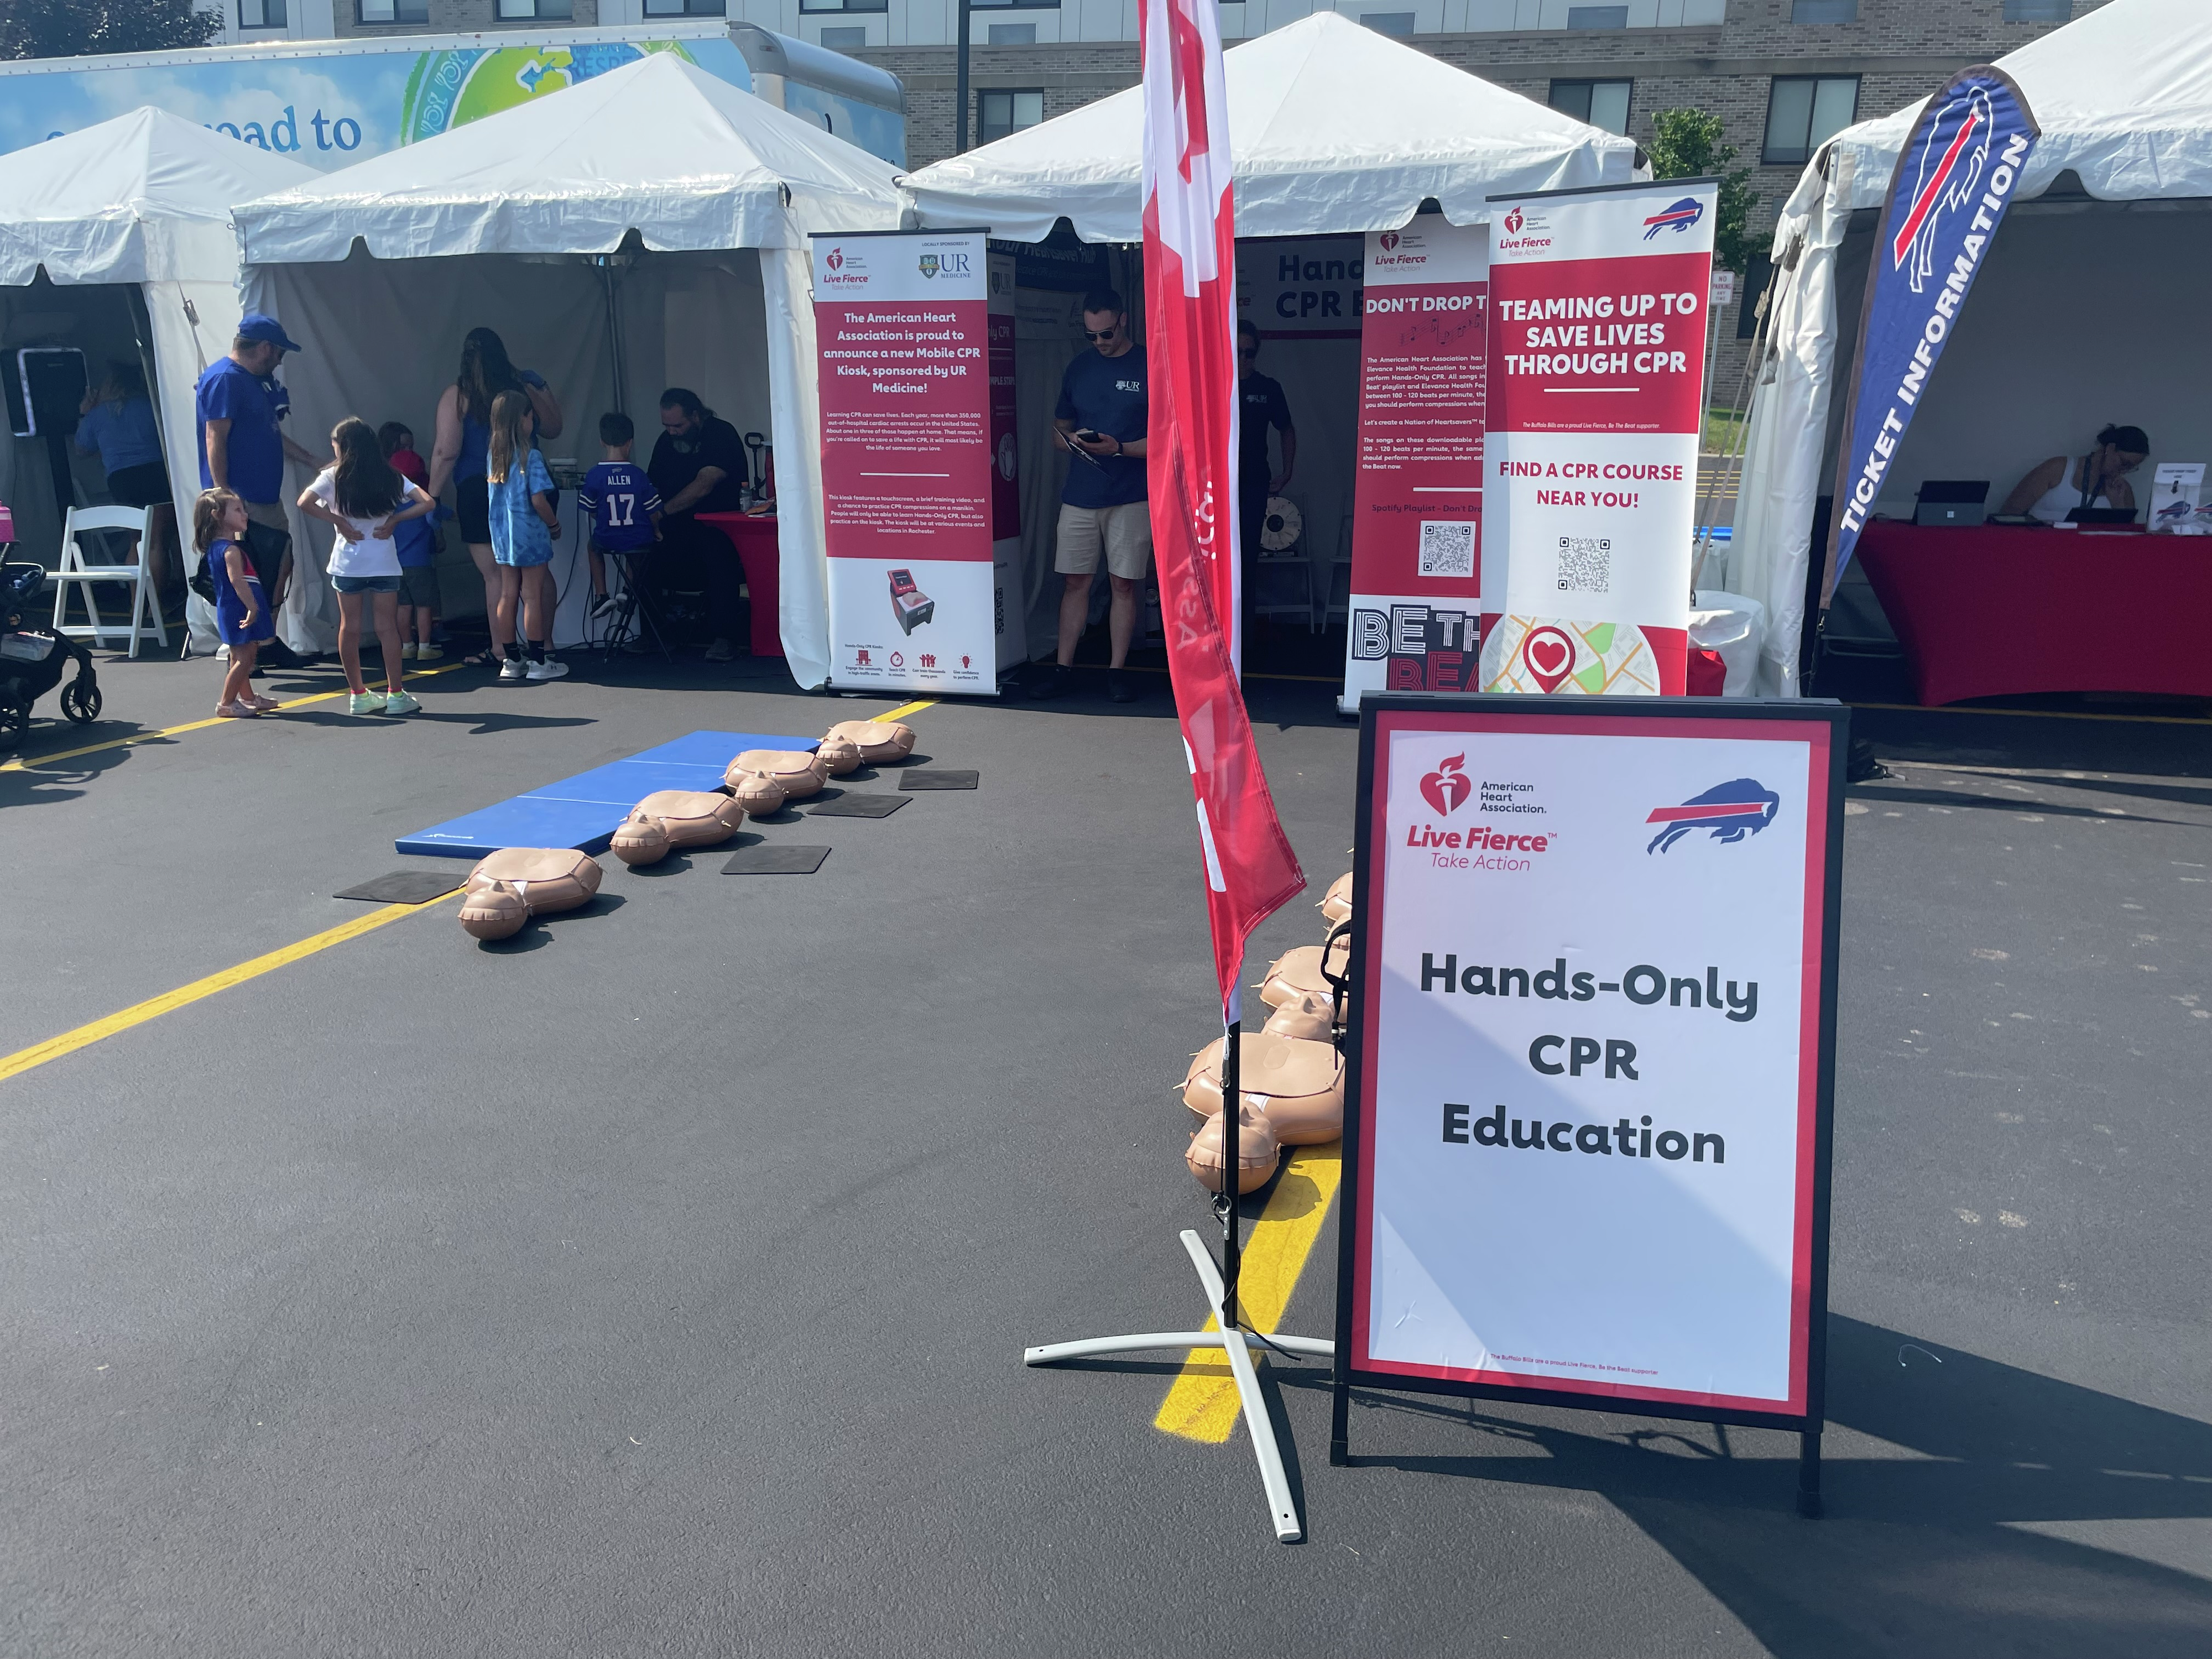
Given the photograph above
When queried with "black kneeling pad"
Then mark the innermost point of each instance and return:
(774, 858)
(937, 780)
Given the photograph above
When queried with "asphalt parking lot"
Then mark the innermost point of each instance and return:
(656, 1282)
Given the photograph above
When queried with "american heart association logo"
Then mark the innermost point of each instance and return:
(1514, 221)
(1389, 240)
(836, 259)
(1448, 787)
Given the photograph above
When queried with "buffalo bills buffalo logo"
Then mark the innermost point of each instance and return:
(1678, 217)
(1448, 787)
(1945, 176)
(1732, 811)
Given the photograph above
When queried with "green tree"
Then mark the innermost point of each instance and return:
(1686, 143)
(71, 28)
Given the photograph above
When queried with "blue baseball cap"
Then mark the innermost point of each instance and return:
(255, 326)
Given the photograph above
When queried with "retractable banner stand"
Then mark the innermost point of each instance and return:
(901, 318)
(1009, 626)
(1597, 368)
(1417, 507)
(1955, 177)
(1590, 1057)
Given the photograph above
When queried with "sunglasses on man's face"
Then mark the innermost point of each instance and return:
(1103, 334)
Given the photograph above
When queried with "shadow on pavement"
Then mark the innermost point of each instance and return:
(1926, 1551)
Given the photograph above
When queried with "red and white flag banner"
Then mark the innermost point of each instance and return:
(1190, 292)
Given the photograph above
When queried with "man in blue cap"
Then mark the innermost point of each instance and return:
(239, 403)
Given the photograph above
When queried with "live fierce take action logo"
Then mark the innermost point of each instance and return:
(1479, 847)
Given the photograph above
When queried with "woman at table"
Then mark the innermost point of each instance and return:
(462, 451)
(117, 419)
(2099, 478)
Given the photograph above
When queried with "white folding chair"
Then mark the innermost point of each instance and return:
(145, 603)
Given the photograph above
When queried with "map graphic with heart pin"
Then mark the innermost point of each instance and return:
(1550, 654)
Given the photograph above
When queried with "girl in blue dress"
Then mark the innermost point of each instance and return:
(241, 614)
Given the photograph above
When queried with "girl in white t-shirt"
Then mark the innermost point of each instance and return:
(364, 497)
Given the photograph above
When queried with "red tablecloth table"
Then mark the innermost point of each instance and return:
(755, 540)
(2005, 610)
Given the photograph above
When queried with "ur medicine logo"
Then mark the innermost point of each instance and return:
(929, 265)
(1678, 217)
(1733, 810)
(1448, 787)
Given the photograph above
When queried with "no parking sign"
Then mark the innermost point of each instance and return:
(1591, 1051)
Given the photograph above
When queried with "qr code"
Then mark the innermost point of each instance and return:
(1448, 548)
(1586, 564)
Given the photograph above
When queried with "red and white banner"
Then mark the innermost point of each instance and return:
(907, 467)
(1190, 289)
(1597, 361)
(1417, 507)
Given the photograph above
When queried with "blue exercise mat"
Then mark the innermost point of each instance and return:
(585, 811)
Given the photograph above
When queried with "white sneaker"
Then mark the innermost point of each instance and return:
(514, 668)
(407, 651)
(548, 670)
(606, 606)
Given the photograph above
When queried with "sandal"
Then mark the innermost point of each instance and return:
(237, 711)
(489, 657)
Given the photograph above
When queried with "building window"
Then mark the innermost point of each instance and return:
(696, 8)
(1597, 17)
(844, 5)
(846, 39)
(2039, 11)
(1012, 34)
(531, 11)
(1803, 111)
(392, 11)
(1005, 112)
(1398, 23)
(261, 13)
(1824, 11)
(1601, 103)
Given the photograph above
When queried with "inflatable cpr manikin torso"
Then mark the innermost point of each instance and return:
(1336, 904)
(1257, 1153)
(840, 754)
(508, 887)
(759, 796)
(878, 741)
(676, 817)
(797, 773)
(1297, 1085)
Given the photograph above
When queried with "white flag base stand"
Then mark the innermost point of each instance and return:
(1235, 1345)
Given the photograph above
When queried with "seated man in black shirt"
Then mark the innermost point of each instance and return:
(698, 465)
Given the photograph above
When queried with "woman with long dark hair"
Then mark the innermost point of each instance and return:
(2097, 479)
(463, 449)
(363, 495)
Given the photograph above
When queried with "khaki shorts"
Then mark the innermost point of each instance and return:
(1125, 530)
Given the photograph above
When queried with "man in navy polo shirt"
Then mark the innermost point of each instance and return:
(242, 447)
(1101, 417)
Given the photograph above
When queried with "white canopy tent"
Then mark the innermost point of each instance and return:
(2124, 101)
(140, 202)
(531, 221)
(1334, 126)
(1336, 130)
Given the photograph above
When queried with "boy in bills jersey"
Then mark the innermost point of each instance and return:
(625, 508)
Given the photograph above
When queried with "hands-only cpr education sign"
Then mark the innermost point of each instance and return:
(1587, 1149)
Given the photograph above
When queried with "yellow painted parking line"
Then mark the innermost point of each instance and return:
(68, 1042)
(1202, 1403)
(901, 713)
(36, 761)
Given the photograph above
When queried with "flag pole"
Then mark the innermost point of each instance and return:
(1232, 1106)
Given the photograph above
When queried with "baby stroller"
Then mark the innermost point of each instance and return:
(32, 659)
